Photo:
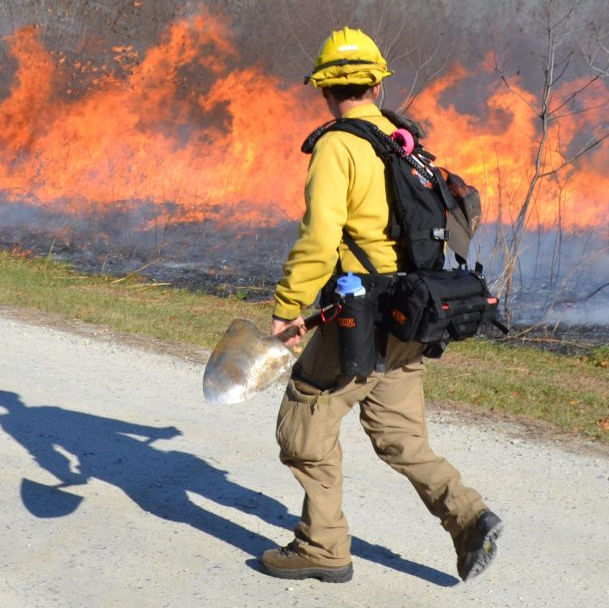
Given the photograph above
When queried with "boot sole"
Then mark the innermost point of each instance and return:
(490, 550)
(325, 575)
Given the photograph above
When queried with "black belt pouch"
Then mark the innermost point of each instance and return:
(433, 306)
(404, 312)
(356, 335)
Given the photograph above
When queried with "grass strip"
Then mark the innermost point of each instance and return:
(569, 392)
(128, 305)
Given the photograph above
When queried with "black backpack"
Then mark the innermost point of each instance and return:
(427, 210)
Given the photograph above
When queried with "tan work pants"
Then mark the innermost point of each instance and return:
(392, 413)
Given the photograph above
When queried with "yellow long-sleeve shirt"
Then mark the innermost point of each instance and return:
(345, 187)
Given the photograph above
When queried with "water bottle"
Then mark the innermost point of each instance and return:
(350, 285)
(355, 327)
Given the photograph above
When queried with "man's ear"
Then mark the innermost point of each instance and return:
(376, 91)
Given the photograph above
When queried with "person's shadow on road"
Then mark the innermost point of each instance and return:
(76, 446)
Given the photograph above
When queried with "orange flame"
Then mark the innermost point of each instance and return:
(180, 125)
(498, 154)
(154, 137)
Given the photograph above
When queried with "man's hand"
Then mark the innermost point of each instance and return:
(277, 326)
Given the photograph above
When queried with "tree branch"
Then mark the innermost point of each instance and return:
(589, 145)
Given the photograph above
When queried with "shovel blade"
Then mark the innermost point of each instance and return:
(244, 364)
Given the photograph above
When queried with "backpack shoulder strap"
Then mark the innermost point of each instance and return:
(381, 142)
(309, 143)
(359, 253)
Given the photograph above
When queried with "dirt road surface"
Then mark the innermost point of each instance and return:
(166, 501)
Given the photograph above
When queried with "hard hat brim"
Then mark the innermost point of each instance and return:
(341, 74)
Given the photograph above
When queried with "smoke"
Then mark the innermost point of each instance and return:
(217, 256)
(560, 277)
(418, 38)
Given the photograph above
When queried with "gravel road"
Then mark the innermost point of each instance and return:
(167, 500)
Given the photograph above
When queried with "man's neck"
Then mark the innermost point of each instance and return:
(349, 104)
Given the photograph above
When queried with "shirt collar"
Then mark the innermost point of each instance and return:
(364, 111)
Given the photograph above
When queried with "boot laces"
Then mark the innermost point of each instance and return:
(288, 549)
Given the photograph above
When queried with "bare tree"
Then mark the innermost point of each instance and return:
(597, 55)
(560, 24)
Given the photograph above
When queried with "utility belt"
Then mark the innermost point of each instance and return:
(432, 307)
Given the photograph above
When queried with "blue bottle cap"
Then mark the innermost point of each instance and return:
(348, 283)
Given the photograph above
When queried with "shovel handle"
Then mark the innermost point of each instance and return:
(327, 314)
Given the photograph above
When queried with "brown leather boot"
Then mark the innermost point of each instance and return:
(286, 562)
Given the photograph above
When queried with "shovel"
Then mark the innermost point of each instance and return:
(244, 363)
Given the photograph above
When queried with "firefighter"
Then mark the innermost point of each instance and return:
(345, 188)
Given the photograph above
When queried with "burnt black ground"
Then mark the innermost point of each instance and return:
(245, 260)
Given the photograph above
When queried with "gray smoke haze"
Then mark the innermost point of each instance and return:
(561, 277)
(419, 38)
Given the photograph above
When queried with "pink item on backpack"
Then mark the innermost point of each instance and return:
(405, 139)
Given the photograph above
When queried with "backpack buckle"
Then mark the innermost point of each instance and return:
(439, 234)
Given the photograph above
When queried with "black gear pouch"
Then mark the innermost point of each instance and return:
(361, 341)
(434, 307)
(406, 307)
(356, 335)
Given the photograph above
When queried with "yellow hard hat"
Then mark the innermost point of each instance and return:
(348, 57)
